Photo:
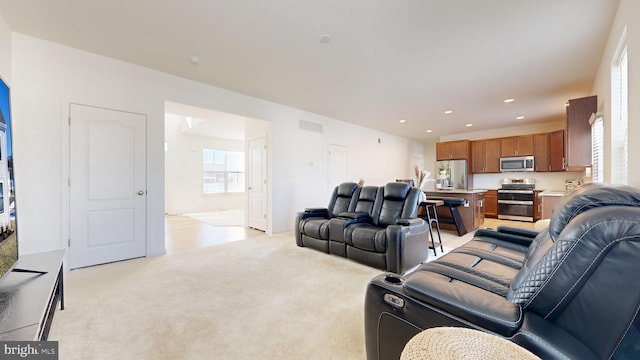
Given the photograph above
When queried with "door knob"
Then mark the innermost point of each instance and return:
(140, 192)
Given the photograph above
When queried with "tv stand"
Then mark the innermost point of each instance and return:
(29, 296)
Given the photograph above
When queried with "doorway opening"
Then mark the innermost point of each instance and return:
(208, 176)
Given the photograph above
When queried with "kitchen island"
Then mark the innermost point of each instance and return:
(470, 212)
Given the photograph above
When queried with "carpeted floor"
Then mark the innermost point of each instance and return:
(262, 298)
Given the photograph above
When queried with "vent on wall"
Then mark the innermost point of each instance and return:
(310, 126)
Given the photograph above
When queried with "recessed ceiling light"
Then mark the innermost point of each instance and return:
(448, 112)
(403, 121)
(469, 125)
(195, 60)
(325, 39)
(429, 131)
(509, 100)
(519, 117)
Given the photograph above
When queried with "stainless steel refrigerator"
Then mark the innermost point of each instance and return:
(451, 174)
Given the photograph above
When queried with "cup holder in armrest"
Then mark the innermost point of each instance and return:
(393, 279)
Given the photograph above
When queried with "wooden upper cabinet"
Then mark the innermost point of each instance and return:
(556, 151)
(578, 132)
(516, 146)
(485, 156)
(453, 150)
(493, 156)
(549, 151)
(541, 151)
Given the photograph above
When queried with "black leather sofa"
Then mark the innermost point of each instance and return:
(380, 227)
(312, 225)
(571, 291)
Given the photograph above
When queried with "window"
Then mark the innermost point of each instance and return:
(223, 171)
(619, 116)
(597, 148)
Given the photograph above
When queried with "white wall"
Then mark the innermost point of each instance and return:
(183, 171)
(627, 15)
(48, 76)
(5, 51)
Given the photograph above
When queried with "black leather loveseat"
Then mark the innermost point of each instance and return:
(378, 226)
(571, 291)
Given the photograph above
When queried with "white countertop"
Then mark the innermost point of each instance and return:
(551, 193)
(456, 191)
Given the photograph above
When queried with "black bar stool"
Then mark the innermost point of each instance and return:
(431, 216)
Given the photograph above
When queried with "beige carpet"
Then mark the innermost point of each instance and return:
(262, 298)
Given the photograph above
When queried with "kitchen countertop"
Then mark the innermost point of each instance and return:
(456, 191)
(551, 193)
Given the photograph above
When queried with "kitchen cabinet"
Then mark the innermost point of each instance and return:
(516, 146)
(556, 150)
(578, 133)
(491, 204)
(537, 206)
(547, 203)
(453, 150)
(471, 213)
(485, 156)
(548, 150)
(541, 151)
(479, 210)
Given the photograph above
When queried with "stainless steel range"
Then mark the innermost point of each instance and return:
(515, 199)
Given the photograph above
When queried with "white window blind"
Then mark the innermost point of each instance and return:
(597, 148)
(620, 119)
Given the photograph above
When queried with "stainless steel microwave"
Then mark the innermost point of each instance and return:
(517, 163)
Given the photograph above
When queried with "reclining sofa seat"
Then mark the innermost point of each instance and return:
(311, 227)
(571, 293)
(363, 209)
(391, 237)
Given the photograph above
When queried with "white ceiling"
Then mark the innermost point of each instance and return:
(387, 59)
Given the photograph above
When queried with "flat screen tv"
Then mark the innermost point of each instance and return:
(8, 233)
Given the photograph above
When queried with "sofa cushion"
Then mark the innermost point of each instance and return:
(397, 200)
(316, 228)
(343, 198)
(366, 199)
(367, 237)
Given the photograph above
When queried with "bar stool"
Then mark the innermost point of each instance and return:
(431, 216)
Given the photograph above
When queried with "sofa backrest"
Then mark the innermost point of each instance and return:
(366, 199)
(587, 197)
(395, 201)
(343, 198)
(586, 280)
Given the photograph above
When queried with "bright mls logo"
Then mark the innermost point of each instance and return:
(31, 350)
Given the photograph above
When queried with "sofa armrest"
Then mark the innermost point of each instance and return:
(361, 216)
(409, 222)
(337, 225)
(407, 245)
(464, 301)
(512, 238)
(314, 212)
(517, 231)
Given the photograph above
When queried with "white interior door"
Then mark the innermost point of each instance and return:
(337, 166)
(107, 185)
(257, 181)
